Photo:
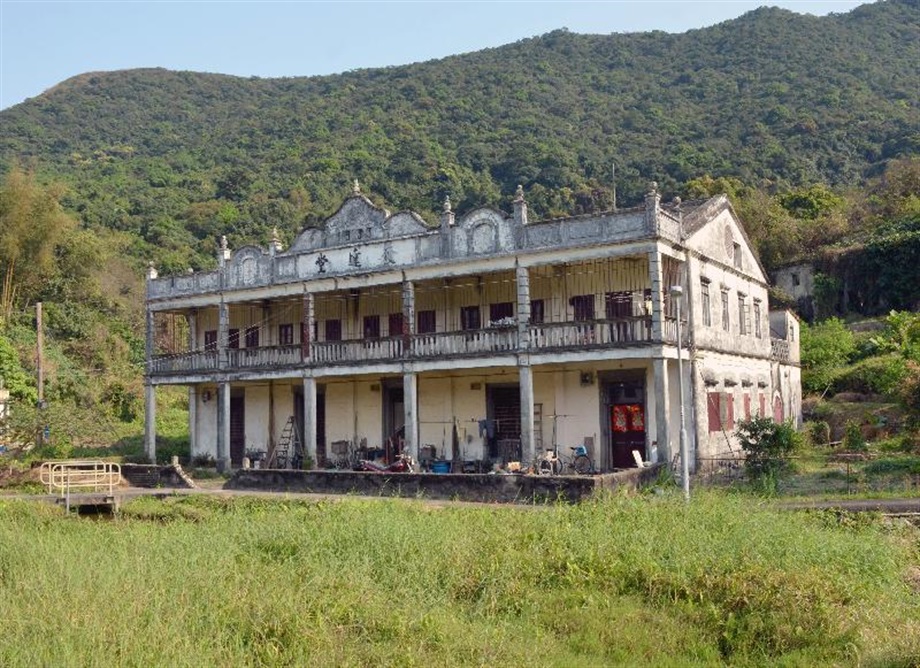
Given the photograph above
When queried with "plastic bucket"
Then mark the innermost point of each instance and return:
(440, 467)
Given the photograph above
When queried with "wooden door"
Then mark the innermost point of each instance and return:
(237, 430)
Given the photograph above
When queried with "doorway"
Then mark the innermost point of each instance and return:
(237, 427)
(394, 417)
(503, 422)
(624, 416)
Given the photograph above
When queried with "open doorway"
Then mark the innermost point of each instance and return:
(623, 407)
(503, 422)
(394, 417)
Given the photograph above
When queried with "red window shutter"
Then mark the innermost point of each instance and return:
(713, 401)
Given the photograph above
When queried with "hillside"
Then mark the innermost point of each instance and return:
(772, 98)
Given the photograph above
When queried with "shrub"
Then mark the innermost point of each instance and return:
(819, 432)
(825, 348)
(853, 440)
(874, 375)
(767, 446)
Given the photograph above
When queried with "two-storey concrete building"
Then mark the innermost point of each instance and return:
(489, 337)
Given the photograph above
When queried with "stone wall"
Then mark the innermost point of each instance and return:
(487, 488)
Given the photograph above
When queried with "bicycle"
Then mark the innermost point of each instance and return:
(552, 463)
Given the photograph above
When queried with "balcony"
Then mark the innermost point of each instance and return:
(780, 350)
(548, 337)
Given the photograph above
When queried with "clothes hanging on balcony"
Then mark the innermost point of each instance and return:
(487, 428)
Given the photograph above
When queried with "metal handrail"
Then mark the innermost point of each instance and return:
(80, 474)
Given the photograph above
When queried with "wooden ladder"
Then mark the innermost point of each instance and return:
(289, 451)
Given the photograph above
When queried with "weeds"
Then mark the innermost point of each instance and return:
(250, 581)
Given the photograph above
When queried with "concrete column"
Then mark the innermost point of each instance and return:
(192, 319)
(223, 426)
(309, 419)
(306, 327)
(656, 277)
(150, 422)
(410, 402)
(223, 334)
(150, 400)
(662, 410)
(528, 447)
(522, 282)
(408, 306)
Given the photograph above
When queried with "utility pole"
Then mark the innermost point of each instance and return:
(40, 369)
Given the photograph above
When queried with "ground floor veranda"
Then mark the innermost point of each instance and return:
(485, 416)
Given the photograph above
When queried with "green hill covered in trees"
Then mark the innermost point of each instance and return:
(810, 124)
(773, 98)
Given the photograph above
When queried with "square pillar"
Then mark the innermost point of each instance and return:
(306, 327)
(309, 420)
(408, 305)
(150, 422)
(657, 278)
(410, 403)
(522, 283)
(223, 335)
(528, 446)
(192, 320)
(662, 410)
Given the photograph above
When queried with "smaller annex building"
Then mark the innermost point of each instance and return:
(486, 338)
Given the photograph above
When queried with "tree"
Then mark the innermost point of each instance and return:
(825, 348)
(767, 447)
(33, 224)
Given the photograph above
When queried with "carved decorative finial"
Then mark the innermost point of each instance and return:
(446, 203)
(677, 201)
(223, 242)
(519, 193)
(652, 187)
(151, 271)
(356, 188)
(275, 238)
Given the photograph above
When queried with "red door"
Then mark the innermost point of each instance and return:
(627, 432)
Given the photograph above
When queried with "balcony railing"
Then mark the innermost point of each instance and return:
(496, 340)
(465, 343)
(779, 350)
(248, 358)
(364, 350)
(590, 333)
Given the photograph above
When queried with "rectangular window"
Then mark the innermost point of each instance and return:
(742, 320)
(706, 305)
(372, 327)
(334, 330)
(583, 307)
(726, 322)
(758, 328)
(210, 339)
(618, 305)
(286, 335)
(739, 264)
(395, 325)
(469, 318)
(500, 312)
(233, 339)
(426, 322)
(252, 337)
(537, 313)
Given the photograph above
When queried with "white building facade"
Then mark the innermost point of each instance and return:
(487, 338)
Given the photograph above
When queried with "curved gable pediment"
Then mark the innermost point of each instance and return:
(404, 223)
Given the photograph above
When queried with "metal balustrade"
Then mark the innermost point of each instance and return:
(64, 478)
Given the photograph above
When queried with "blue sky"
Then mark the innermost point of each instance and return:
(45, 42)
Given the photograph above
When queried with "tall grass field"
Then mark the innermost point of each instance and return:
(646, 581)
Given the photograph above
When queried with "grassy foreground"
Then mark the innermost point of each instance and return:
(641, 581)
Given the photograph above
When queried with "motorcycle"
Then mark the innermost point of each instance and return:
(402, 464)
